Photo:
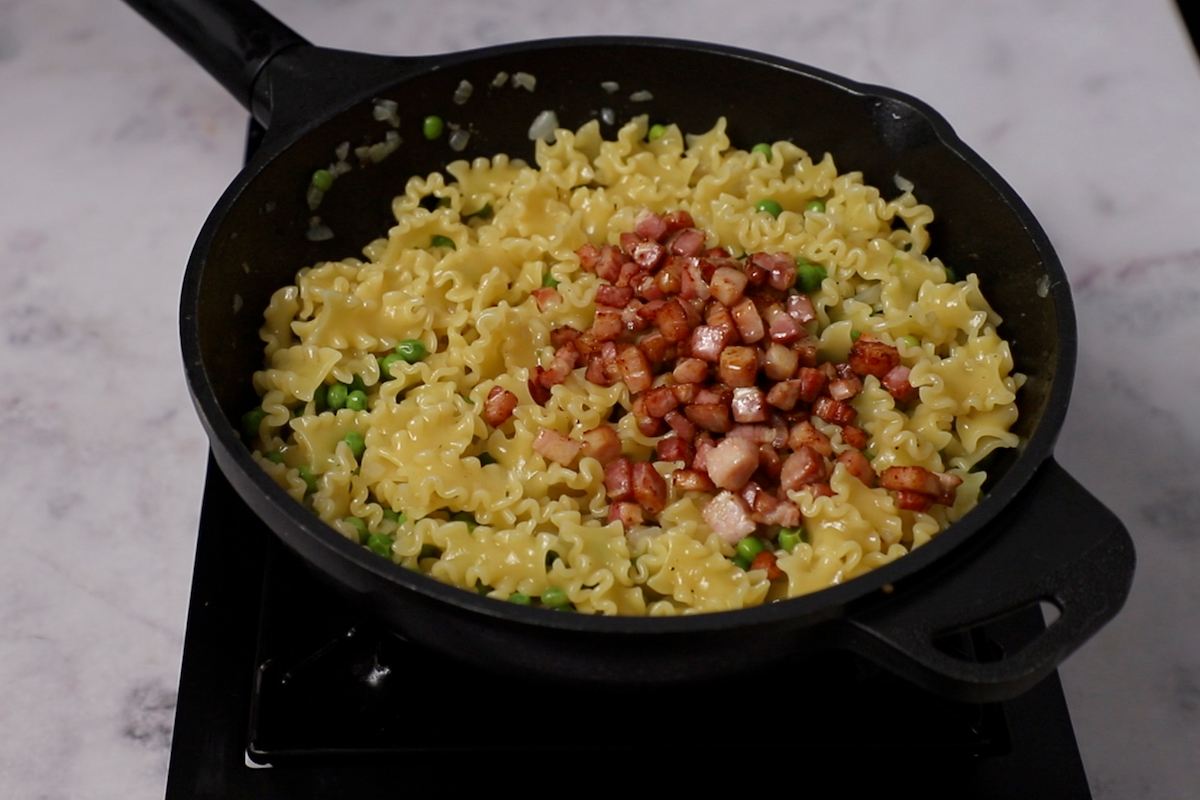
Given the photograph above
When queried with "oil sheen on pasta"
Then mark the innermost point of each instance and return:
(542, 525)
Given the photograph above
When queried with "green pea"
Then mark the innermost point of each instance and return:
(430, 551)
(869, 454)
(950, 276)
(359, 526)
(910, 340)
(743, 563)
(323, 180)
(275, 457)
(337, 395)
(749, 547)
(764, 149)
(356, 442)
(432, 127)
(321, 397)
(412, 350)
(520, 599)
(815, 206)
(442, 241)
(656, 132)
(809, 276)
(252, 421)
(854, 334)
(484, 213)
(394, 516)
(790, 537)
(385, 364)
(465, 516)
(379, 544)
(769, 206)
(309, 479)
(549, 281)
(555, 597)
(356, 400)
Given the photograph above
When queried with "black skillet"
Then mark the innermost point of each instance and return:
(1037, 536)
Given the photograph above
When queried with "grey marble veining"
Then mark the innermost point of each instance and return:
(116, 146)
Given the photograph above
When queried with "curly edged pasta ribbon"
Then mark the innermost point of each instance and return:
(460, 273)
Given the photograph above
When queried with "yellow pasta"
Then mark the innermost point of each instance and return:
(437, 489)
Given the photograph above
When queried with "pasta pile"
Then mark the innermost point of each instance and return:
(475, 506)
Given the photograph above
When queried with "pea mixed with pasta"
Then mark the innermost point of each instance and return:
(649, 375)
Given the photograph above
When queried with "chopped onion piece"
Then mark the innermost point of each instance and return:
(500, 79)
(387, 111)
(462, 93)
(544, 125)
(523, 80)
(317, 232)
(612, 87)
(608, 116)
(342, 151)
(641, 96)
(458, 140)
(903, 183)
(378, 152)
(314, 196)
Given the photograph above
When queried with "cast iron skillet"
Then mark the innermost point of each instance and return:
(1037, 536)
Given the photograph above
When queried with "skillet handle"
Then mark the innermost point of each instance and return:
(233, 39)
(1055, 544)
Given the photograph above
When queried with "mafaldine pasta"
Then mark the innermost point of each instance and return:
(650, 375)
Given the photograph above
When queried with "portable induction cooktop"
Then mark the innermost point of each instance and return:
(286, 691)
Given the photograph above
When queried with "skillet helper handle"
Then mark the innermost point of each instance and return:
(232, 39)
(1055, 544)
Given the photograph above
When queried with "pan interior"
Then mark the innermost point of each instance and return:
(257, 239)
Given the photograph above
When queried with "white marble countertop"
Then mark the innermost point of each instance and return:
(115, 146)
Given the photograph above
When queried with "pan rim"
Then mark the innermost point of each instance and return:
(832, 602)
